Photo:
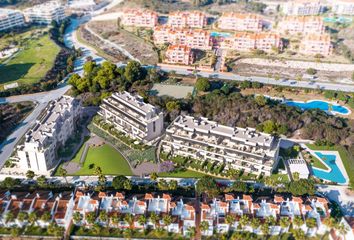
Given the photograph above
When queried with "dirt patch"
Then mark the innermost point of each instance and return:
(145, 168)
(136, 46)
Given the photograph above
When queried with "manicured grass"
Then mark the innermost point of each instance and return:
(315, 162)
(107, 158)
(183, 174)
(347, 158)
(282, 178)
(31, 64)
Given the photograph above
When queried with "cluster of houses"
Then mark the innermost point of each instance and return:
(75, 207)
(185, 31)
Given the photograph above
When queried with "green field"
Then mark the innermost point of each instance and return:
(33, 61)
(183, 174)
(107, 158)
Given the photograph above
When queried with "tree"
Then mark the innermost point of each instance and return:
(103, 216)
(311, 71)
(298, 234)
(63, 173)
(97, 171)
(42, 181)
(173, 184)
(162, 185)
(154, 218)
(202, 84)
(172, 106)
(30, 174)
(244, 221)
(296, 176)
(191, 231)
(15, 231)
(129, 218)
(342, 229)
(265, 229)
(77, 217)
(142, 220)
(32, 218)
(115, 219)
(22, 216)
(46, 217)
(261, 100)
(269, 126)
(167, 220)
(301, 187)
(133, 71)
(207, 185)
(298, 222)
(128, 185)
(284, 223)
(118, 182)
(229, 219)
(10, 182)
(90, 217)
(153, 176)
(204, 226)
(88, 68)
(9, 217)
(311, 223)
(239, 186)
(255, 223)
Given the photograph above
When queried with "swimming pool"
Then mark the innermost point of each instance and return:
(220, 34)
(337, 19)
(334, 175)
(323, 105)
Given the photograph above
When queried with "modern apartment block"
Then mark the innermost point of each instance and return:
(139, 18)
(130, 114)
(10, 19)
(342, 7)
(194, 19)
(303, 7)
(240, 22)
(45, 13)
(193, 38)
(179, 54)
(313, 44)
(301, 24)
(39, 150)
(246, 41)
(237, 148)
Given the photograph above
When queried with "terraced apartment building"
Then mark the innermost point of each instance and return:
(45, 13)
(131, 115)
(10, 19)
(237, 148)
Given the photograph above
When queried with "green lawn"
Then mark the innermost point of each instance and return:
(315, 162)
(183, 174)
(347, 158)
(31, 63)
(107, 158)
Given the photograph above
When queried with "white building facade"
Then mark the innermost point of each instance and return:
(39, 151)
(45, 13)
(10, 19)
(303, 7)
(131, 115)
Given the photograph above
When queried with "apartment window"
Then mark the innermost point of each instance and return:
(154, 126)
(28, 160)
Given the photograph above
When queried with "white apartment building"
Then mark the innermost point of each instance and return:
(131, 115)
(343, 7)
(301, 24)
(39, 150)
(10, 19)
(237, 148)
(303, 7)
(45, 13)
(240, 22)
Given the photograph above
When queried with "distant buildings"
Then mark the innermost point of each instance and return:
(131, 115)
(193, 38)
(237, 148)
(313, 44)
(246, 41)
(45, 13)
(10, 19)
(301, 24)
(179, 54)
(343, 7)
(39, 150)
(139, 18)
(240, 22)
(193, 19)
(303, 7)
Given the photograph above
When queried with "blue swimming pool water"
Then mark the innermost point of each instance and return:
(318, 104)
(335, 175)
(220, 34)
(338, 19)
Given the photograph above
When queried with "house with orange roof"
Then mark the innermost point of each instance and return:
(64, 209)
(86, 203)
(240, 206)
(314, 43)
(290, 208)
(179, 54)
(301, 24)
(139, 18)
(240, 22)
(193, 19)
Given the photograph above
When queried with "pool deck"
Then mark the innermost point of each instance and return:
(339, 162)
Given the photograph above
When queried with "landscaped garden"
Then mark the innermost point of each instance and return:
(35, 58)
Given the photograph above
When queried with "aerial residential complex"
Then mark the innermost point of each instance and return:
(139, 18)
(342, 7)
(246, 41)
(301, 24)
(313, 44)
(193, 38)
(39, 150)
(10, 19)
(240, 22)
(130, 114)
(193, 19)
(179, 54)
(239, 148)
(303, 7)
(45, 13)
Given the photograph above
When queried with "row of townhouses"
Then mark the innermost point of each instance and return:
(38, 152)
(62, 208)
(40, 14)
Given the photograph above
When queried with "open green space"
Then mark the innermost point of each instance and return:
(185, 173)
(315, 162)
(106, 157)
(345, 155)
(35, 58)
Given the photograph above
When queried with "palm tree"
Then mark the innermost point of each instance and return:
(142, 220)
(284, 223)
(330, 222)
(63, 173)
(153, 176)
(311, 223)
(115, 220)
(269, 181)
(77, 217)
(270, 221)
(298, 234)
(342, 229)
(30, 174)
(230, 220)
(265, 229)
(244, 220)
(46, 217)
(191, 232)
(103, 216)
(298, 221)
(154, 219)
(32, 218)
(173, 184)
(22, 216)
(90, 217)
(96, 229)
(167, 220)
(42, 180)
(204, 226)
(129, 219)
(255, 223)
(128, 184)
